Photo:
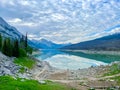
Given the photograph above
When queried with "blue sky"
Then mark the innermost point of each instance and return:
(63, 21)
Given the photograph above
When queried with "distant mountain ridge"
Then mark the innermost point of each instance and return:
(110, 42)
(45, 44)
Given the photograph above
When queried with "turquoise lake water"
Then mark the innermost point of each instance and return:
(75, 60)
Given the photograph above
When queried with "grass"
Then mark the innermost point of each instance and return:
(117, 79)
(22, 70)
(114, 69)
(25, 62)
(9, 83)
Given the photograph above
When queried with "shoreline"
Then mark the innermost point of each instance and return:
(81, 79)
(95, 52)
(73, 74)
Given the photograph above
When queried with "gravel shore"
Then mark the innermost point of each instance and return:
(81, 79)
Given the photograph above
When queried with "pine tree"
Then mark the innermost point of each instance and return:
(22, 39)
(22, 42)
(0, 42)
(9, 47)
(26, 42)
(16, 48)
(4, 48)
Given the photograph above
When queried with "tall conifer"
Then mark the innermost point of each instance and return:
(16, 48)
(0, 41)
(26, 41)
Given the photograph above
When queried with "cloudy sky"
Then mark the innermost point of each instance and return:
(63, 21)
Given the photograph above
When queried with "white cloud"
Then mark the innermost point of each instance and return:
(7, 2)
(20, 22)
(29, 24)
(24, 2)
(63, 0)
(116, 30)
(31, 36)
(68, 20)
(58, 17)
(15, 20)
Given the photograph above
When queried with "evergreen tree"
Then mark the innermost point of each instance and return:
(0, 41)
(4, 48)
(16, 48)
(26, 41)
(9, 47)
(22, 39)
(29, 50)
(22, 42)
(22, 52)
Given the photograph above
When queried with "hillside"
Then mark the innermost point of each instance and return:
(110, 42)
(9, 31)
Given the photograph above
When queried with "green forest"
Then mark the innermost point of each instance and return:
(15, 47)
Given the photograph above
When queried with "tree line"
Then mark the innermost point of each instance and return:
(15, 48)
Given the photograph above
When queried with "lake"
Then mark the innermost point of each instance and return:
(74, 60)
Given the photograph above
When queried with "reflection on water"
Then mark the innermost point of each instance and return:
(74, 60)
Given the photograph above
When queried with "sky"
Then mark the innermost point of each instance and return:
(63, 21)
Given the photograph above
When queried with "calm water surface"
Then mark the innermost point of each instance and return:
(75, 60)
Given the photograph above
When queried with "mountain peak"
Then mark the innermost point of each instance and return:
(45, 41)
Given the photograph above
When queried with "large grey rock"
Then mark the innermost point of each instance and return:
(8, 67)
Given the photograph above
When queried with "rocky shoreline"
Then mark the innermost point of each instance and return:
(81, 78)
(7, 67)
(42, 70)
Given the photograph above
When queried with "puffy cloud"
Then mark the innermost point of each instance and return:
(7, 2)
(68, 20)
(58, 17)
(20, 22)
(15, 20)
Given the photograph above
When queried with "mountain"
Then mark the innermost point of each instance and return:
(9, 31)
(45, 44)
(110, 42)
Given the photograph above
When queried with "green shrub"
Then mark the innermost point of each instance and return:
(29, 50)
(114, 69)
(25, 62)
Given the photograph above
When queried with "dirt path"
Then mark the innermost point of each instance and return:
(97, 83)
(106, 77)
(41, 73)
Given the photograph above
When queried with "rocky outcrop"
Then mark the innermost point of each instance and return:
(8, 67)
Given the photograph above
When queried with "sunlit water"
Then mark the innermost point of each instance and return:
(74, 60)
